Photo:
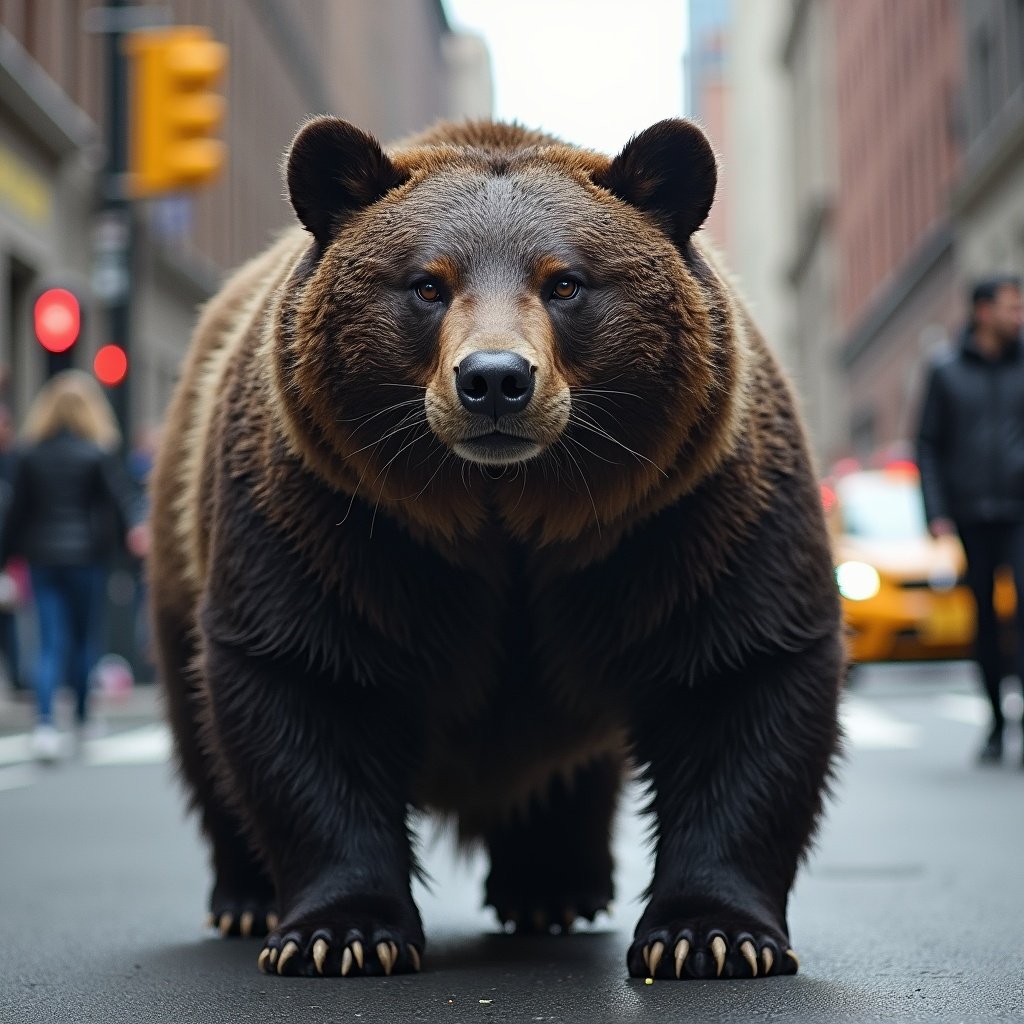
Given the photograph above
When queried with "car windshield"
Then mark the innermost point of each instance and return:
(880, 507)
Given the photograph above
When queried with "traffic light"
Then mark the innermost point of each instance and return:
(57, 324)
(57, 318)
(173, 110)
(110, 365)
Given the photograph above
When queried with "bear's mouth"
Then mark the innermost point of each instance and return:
(497, 448)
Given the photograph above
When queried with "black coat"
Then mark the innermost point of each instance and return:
(970, 444)
(69, 503)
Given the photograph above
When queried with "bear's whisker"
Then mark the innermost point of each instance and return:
(388, 465)
(440, 466)
(403, 423)
(598, 411)
(597, 518)
(362, 474)
(600, 392)
(577, 441)
(363, 420)
(600, 431)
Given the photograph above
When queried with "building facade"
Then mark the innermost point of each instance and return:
(709, 99)
(391, 66)
(758, 243)
(988, 203)
(902, 181)
(899, 78)
(812, 274)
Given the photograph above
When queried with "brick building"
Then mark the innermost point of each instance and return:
(899, 76)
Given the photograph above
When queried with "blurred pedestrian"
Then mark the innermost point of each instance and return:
(70, 505)
(971, 457)
(10, 591)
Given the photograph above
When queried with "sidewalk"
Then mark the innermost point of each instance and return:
(140, 704)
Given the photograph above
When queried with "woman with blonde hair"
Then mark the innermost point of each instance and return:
(70, 504)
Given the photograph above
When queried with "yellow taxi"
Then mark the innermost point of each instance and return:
(903, 591)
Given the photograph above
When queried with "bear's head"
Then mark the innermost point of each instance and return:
(493, 321)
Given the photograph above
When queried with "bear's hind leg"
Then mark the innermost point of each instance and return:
(551, 863)
(242, 899)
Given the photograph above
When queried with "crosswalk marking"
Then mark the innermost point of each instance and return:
(149, 744)
(14, 749)
(870, 728)
(964, 707)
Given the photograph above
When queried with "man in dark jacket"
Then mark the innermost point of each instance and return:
(971, 456)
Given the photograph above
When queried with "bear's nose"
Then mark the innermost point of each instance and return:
(494, 383)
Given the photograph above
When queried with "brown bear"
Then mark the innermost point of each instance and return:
(480, 490)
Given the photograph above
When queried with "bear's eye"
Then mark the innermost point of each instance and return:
(428, 291)
(566, 288)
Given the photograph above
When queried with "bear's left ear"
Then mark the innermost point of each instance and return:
(667, 169)
(334, 168)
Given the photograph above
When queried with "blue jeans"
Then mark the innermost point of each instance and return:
(70, 601)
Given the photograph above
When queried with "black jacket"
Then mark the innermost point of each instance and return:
(70, 503)
(970, 443)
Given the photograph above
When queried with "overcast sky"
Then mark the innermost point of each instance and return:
(593, 72)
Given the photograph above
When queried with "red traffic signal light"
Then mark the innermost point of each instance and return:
(57, 317)
(110, 365)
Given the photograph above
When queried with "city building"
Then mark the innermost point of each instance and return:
(708, 98)
(739, 92)
(898, 82)
(391, 66)
(758, 242)
(988, 202)
(812, 273)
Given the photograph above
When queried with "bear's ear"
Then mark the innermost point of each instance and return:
(332, 169)
(668, 169)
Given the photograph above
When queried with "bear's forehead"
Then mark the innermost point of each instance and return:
(528, 213)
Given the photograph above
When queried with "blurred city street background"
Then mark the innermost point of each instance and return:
(871, 167)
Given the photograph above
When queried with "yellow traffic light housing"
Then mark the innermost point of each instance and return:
(174, 111)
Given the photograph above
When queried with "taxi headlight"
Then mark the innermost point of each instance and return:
(857, 581)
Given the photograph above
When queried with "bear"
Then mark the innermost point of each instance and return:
(481, 493)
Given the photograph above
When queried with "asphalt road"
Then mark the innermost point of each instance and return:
(909, 910)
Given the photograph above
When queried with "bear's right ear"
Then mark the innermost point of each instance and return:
(669, 170)
(334, 168)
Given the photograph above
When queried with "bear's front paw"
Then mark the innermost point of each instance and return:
(351, 937)
(709, 946)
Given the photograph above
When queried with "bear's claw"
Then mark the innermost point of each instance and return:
(247, 924)
(716, 959)
(353, 960)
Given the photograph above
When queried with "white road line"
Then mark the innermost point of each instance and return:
(964, 707)
(869, 728)
(14, 749)
(149, 745)
(972, 708)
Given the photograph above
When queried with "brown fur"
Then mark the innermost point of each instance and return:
(286, 459)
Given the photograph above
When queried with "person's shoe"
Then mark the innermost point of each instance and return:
(45, 744)
(992, 751)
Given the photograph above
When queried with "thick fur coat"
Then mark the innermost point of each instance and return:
(480, 487)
